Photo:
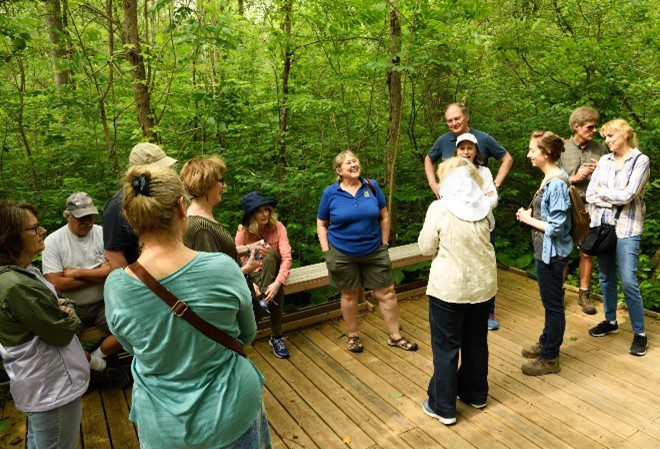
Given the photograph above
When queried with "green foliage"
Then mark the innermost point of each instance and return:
(216, 83)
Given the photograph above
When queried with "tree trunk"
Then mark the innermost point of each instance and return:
(109, 142)
(21, 127)
(241, 7)
(141, 92)
(59, 39)
(283, 107)
(395, 113)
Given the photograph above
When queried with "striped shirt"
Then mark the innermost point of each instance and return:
(625, 187)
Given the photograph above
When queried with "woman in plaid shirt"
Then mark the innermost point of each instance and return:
(619, 181)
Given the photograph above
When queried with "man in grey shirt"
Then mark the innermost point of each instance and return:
(579, 159)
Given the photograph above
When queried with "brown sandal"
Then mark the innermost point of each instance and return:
(403, 344)
(354, 344)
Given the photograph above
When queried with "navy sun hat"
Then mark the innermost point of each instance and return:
(253, 201)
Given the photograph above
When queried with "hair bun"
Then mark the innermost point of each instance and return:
(140, 184)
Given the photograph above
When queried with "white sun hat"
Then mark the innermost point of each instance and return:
(460, 193)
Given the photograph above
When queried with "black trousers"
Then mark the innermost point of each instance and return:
(458, 328)
(270, 267)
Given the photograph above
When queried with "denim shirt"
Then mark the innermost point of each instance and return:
(556, 213)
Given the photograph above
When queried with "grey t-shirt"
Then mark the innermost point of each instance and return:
(63, 249)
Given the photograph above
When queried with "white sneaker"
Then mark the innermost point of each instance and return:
(428, 411)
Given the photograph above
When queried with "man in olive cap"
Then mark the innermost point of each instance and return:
(119, 240)
(73, 261)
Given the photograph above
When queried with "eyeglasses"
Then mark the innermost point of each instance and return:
(590, 127)
(36, 228)
(222, 181)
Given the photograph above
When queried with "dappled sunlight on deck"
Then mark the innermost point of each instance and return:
(326, 397)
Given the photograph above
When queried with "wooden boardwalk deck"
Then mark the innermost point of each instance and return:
(325, 397)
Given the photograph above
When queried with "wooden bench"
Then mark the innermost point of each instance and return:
(316, 275)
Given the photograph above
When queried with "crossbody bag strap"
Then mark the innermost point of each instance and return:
(620, 208)
(563, 178)
(371, 187)
(181, 309)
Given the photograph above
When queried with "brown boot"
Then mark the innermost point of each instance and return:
(540, 366)
(532, 353)
(584, 300)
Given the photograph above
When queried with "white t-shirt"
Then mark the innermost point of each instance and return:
(66, 250)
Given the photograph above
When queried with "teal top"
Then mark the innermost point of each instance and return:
(189, 391)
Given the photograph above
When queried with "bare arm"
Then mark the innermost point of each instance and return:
(64, 283)
(116, 259)
(385, 225)
(95, 275)
(429, 169)
(322, 233)
(507, 162)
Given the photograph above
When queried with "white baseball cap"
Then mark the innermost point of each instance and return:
(463, 197)
(467, 136)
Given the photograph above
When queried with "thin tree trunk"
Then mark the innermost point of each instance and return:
(287, 7)
(395, 112)
(21, 127)
(241, 8)
(109, 142)
(141, 92)
(59, 40)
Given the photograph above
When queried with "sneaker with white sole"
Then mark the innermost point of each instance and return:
(493, 324)
(639, 345)
(603, 328)
(427, 409)
(280, 351)
(479, 406)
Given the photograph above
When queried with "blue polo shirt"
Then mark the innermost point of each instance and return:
(354, 220)
(445, 146)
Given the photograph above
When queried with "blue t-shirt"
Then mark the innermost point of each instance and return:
(354, 220)
(445, 146)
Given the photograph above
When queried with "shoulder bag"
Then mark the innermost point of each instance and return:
(181, 309)
(601, 239)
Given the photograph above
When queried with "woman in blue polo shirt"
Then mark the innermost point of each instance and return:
(353, 228)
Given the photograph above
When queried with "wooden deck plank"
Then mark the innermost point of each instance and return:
(15, 433)
(94, 429)
(122, 432)
(284, 425)
(331, 412)
(312, 424)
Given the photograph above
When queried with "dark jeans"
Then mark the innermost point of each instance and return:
(270, 267)
(492, 304)
(551, 282)
(454, 328)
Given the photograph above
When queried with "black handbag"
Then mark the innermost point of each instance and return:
(601, 240)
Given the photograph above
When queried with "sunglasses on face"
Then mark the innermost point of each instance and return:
(590, 127)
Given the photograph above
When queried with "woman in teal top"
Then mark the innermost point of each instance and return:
(189, 391)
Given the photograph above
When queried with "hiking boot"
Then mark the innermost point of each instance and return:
(534, 352)
(584, 300)
(493, 324)
(639, 345)
(604, 328)
(280, 351)
(540, 366)
(427, 409)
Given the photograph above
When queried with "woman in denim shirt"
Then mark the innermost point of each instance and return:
(550, 219)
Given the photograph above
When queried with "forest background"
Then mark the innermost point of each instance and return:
(278, 87)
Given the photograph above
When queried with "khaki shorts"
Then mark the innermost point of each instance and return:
(93, 315)
(350, 273)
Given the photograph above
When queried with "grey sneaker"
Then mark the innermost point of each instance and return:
(639, 345)
(584, 301)
(540, 366)
(532, 353)
(427, 409)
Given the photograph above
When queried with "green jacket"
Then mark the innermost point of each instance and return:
(28, 308)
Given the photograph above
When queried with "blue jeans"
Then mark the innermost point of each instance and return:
(454, 328)
(550, 278)
(625, 259)
(55, 429)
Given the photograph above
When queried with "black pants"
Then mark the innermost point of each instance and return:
(270, 267)
(550, 278)
(454, 328)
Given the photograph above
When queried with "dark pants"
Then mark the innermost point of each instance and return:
(270, 267)
(551, 282)
(492, 303)
(454, 328)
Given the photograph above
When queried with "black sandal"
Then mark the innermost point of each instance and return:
(354, 344)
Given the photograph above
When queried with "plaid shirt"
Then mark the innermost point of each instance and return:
(609, 188)
(575, 155)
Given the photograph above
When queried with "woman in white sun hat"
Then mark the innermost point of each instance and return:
(456, 233)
